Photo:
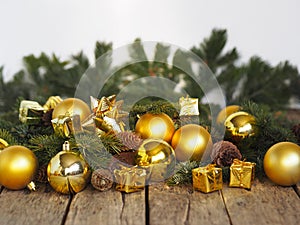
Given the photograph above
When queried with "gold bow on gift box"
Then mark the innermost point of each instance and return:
(130, 179)
(241, 174)
(31, 112)
(207, 179)
(108, 114)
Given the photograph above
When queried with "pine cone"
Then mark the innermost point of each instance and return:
(102, 179)
(41, 174)
(130, 140)
(296, 131)
(47, 117)
(224, 152)
(124, 158)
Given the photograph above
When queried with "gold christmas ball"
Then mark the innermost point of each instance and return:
(18, 166)
(68, 172)
(224, 113)
(190, 142)
(158, 126)
(71, 107)
(282, 163)
(157, 156)
(240, 125)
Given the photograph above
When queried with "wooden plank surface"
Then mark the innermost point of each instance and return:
(266, 203)
(180, 205)
(24, 207)
(111, 207)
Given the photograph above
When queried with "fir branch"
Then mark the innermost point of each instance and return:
(92, 148)
(112, 143)
(183, 173)
(45, 146)
(8, 137)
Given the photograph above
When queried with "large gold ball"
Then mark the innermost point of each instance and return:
(190, 142)
(155, 126)
(225, 112)
(18, 165)
(282, 163)
(158, 156)
(71, 107)
(68, 172)
(240, 125)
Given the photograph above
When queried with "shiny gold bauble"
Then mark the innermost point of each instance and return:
(282, 163)
(3, 144)
(158, 156)
(18, 166)
(68, 172)
(71, 107)
(240, 125)
(190, 142)
(225, 112)
(155, 126)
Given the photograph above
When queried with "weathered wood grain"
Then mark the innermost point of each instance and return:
(180, 205)
(93, 207)
(266, 203)
(41, 207)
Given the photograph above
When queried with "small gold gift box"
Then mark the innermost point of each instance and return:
(30, 112)
(130, 179)
(241, 174)
(207, 179)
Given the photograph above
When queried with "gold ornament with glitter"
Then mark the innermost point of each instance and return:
(188, 106)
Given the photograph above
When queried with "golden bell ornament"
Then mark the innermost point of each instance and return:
(225, 112)
(68, 172)
(18, 166)
(190, 142)
(158, 126)
(240, 125)
(71, 107)
(282, 163)
(158, 157)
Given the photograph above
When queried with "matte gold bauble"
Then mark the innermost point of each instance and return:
(225, 112)
(282, 163)
(190, 142)
(68, 172)
(158, 156)
(240, 125)
(18, 166)
(71, 107)
(155, 126)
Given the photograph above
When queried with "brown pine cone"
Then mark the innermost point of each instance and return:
(224, 152)
(47, 117)
(130, 140)
(41, 174)
(124, 158)
(296, 131)
(102, 179)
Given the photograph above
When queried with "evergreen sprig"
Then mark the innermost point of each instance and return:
(8, 137)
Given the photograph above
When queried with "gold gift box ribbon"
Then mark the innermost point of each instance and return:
(130, 179)
(241, 174)
(207, 179)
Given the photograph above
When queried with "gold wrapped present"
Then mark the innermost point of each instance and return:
(66, 125)
(30, 112)
(241, 174)
(188, 106)
(130, 179)
(207, 179)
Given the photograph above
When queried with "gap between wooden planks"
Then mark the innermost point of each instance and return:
(266, 203)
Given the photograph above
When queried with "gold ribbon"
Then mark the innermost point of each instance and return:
(188, 106)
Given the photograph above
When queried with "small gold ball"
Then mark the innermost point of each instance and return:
(190, 142)
(18, 166)
(282, 163)
(68, 172)
(240, 125)
(71, 107)
(225, 112)
(158, 126)
(159, 156)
